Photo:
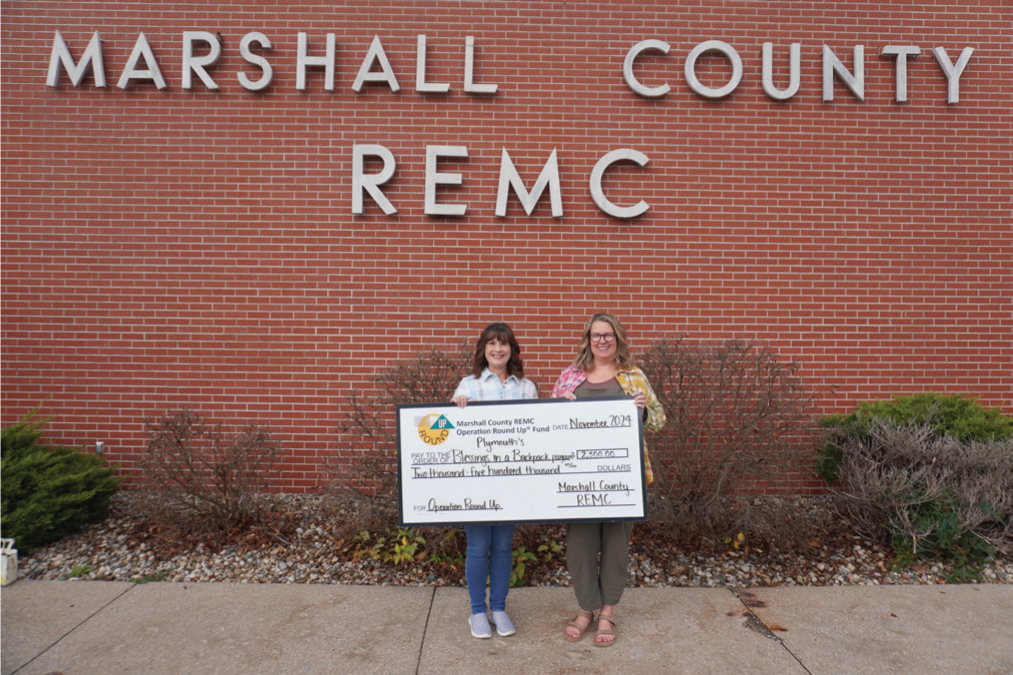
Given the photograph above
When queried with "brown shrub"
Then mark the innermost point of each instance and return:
(928, 489)
(365, 468)
(199, 480)
(738, 419)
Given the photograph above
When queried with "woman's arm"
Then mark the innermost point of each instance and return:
(568, 381)
(635, 383)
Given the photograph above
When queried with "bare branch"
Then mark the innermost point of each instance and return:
(737, 417)
(200, 480)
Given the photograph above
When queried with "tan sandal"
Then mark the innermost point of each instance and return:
(606, 631)
(573, 624)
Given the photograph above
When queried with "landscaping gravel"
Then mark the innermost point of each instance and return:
(309, 553)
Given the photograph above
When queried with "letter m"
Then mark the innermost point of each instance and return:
(509, 178)
(92, 57)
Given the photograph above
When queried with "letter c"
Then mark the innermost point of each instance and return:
(599, 196)
(631, 81)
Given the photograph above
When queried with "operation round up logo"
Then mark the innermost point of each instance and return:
(434, 429)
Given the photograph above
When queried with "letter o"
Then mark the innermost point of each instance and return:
(717, 46)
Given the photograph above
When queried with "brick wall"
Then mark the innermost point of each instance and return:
(197, 247)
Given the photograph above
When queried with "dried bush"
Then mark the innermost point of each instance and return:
(737, 417)
(199, 479)
(963, 418)
(365, 468)
(933, 494)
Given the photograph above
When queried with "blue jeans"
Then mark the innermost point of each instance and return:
(489, 556)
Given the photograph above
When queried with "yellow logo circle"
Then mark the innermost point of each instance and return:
(434, 429)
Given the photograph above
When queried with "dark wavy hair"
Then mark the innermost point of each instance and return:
(502, 332)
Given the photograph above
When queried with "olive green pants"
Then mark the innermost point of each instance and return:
(598, 582)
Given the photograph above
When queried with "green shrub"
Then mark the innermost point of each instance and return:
(939, 531)
(962, 418)
(49, 492)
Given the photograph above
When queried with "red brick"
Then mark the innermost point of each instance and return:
(168, 248)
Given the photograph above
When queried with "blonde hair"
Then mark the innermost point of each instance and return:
(585, 359)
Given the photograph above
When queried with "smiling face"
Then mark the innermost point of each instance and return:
(497, 349)
(497, 353)
(604, 348)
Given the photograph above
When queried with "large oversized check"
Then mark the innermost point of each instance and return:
(529, 461)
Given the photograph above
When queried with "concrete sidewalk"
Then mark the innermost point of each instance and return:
(75, 627)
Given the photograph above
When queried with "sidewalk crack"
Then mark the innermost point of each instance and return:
(425, 630)
(74, 628)
(755, 623)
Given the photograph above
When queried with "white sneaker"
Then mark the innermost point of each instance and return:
(480, 627)
(504, 626)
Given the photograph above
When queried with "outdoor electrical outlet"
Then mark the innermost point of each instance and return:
(100, 447)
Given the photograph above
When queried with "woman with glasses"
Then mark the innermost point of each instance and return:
(603, 367)
(497, 375)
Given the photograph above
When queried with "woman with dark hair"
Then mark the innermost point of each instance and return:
(497, 375)
(597, 552)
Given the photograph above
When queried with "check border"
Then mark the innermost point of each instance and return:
(552, 513)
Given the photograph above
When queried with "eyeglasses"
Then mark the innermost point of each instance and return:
(598, 337)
